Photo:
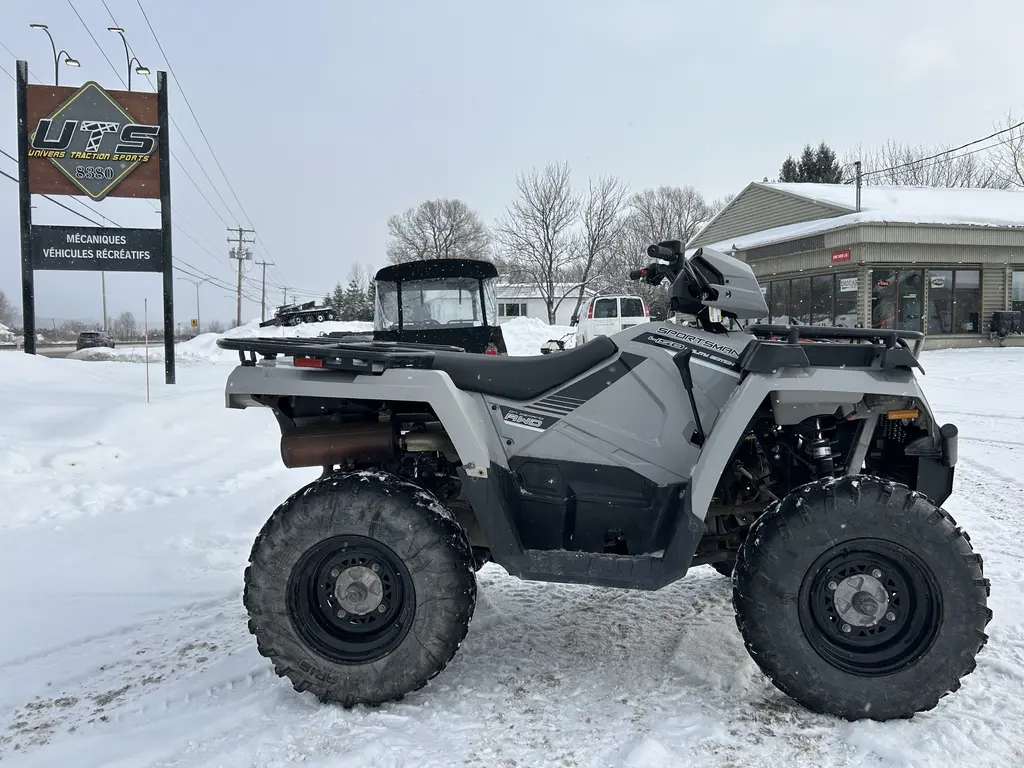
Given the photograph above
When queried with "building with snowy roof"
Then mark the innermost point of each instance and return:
(941, 260)
(526, 300)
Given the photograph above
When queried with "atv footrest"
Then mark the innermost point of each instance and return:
(626, 571)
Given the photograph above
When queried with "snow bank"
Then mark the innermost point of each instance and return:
(523, 336)
(203, 348)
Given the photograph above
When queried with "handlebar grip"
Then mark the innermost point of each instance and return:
(636, 274)
(659, 252)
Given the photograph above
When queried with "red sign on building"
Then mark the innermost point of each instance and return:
(838, 256)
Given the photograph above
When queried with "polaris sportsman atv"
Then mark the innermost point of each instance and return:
(809, 467)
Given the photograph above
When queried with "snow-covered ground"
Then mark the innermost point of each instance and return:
(125, 527)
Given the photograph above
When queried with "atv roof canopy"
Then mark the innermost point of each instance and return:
(437, 268)
(436, 293)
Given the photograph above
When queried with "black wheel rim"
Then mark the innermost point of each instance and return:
(361, 623)
(868, 636)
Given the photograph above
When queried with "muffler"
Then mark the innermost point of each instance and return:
(325, 445)
(330, 444)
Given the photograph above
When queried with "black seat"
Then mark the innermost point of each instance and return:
(521, 378)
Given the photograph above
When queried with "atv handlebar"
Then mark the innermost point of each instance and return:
(667, 250)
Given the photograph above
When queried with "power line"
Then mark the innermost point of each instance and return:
(192, 111)
(938, 155)
(98, 46)
(183, 140)
(211, 278)
(216, 160)
(14, 56)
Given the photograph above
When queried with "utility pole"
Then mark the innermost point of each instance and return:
(242, 254)
(103, 290)
(859, 177)
(286, 295)
(263, 293)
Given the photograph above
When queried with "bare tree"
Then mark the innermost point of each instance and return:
(669, 213)
(715, 206)
(536, 234)
(664, 213)
(437, 229)
(215, 327)
(125, 327)
(8, 312)
(1008, 155)
(602, 221)
(900, 164)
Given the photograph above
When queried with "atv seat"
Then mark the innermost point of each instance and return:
(521, 378)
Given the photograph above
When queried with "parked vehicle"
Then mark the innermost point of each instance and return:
(90, 339)
(447, 302)
(607, 315)
(813, 474)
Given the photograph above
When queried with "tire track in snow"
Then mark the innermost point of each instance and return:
(149, 668)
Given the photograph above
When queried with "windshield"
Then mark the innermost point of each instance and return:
(442, 302)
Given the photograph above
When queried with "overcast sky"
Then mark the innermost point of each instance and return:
(329, 115)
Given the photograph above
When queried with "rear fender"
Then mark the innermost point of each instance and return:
(463, 414)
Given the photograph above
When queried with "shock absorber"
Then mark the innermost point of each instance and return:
(820, 450)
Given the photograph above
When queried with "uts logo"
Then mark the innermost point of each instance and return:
(93, 141)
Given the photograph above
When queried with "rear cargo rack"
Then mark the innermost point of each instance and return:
(373, 357)
(822, 346)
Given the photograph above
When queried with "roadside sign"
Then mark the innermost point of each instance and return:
(97, 248)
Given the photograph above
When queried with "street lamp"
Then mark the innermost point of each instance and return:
(196, 283)
(140, 70)
(56, 56)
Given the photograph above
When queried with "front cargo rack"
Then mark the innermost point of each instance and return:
(806, 346)
(325, 352)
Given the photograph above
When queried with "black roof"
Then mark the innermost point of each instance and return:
(437, 268)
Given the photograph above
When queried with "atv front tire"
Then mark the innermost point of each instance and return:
(724, 567)
(861, 599)
(360, 588)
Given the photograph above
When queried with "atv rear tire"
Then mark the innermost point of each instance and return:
(861, 599)
(360, 588)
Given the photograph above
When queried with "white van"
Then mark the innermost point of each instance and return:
(607, 315)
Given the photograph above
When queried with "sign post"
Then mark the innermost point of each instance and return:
(95, 143)
(28, 297)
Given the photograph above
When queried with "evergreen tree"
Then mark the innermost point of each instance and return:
(354, 307)
(371, 300)
(336, 299)
(815, 165)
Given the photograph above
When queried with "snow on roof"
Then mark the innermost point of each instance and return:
(892, 205)
(927, 205)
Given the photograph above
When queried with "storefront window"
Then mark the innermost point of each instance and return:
(780, 302)
(883, 298)
(940, 301)
(1017, 291)
(766, 291)
(800, 300)
(966, 301)
(822, 290)
(911, 295)
(846, 300)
